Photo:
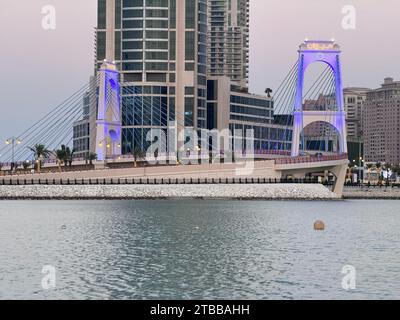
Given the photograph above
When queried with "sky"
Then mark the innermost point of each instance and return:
(41, 68)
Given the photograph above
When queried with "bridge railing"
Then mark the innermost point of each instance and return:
(201, 154)
(272, 152)
(311, 159)
(156, 181)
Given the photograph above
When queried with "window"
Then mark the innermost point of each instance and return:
(189, 45)
(189, 91)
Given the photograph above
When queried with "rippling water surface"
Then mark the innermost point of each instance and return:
(199, 249)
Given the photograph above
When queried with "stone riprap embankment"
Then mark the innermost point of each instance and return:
(229, 191)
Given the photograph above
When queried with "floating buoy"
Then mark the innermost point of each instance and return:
(319, 225)
(64, 227)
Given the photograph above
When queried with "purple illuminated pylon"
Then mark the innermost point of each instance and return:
(327, 52)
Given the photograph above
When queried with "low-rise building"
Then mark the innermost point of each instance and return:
(380, 123)
(229, 107)
(354, 99)
(83, 129)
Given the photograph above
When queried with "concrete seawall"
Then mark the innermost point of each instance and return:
(230, 191)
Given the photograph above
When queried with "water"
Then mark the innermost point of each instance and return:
(198, 249)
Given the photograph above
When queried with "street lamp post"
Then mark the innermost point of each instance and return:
(13, 141)
(361, 167)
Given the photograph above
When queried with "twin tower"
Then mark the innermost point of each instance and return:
(108, 134)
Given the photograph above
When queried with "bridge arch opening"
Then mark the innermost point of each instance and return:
(319, 89)
(320, 137)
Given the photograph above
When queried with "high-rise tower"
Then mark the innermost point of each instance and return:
(228, 31)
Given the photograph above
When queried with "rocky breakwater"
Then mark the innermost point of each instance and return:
(216, 191)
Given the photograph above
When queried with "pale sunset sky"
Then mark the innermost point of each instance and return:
(41, 68)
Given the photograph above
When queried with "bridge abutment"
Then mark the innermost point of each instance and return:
(340, 174)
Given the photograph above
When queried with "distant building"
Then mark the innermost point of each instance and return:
(324, 102)
(81, 130)
(84, 132)
(228, 107)
(228, 40)
(381, 118)
(354, 99)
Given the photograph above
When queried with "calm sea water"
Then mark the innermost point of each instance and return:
(199, 249)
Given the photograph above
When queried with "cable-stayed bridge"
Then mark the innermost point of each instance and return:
(313, 123)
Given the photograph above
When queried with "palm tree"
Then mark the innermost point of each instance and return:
(268, 91)
(61, 156)
(378, 167)
(91, 156)
(14, 166)
(40, 152)
(138, 154)
(26, 165)
(69, 157)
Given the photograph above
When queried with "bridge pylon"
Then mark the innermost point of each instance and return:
(108, 123)
(327, 52)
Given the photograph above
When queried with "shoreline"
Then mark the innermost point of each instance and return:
(244, 192)
(276, 199)
(230, 192)
(360, 197)
(167, 199)
(364, 193)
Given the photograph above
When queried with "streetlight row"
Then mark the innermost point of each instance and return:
(13, 141)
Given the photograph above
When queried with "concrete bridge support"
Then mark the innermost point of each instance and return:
(340, 174)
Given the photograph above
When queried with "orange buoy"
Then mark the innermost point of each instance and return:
(319, 225)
